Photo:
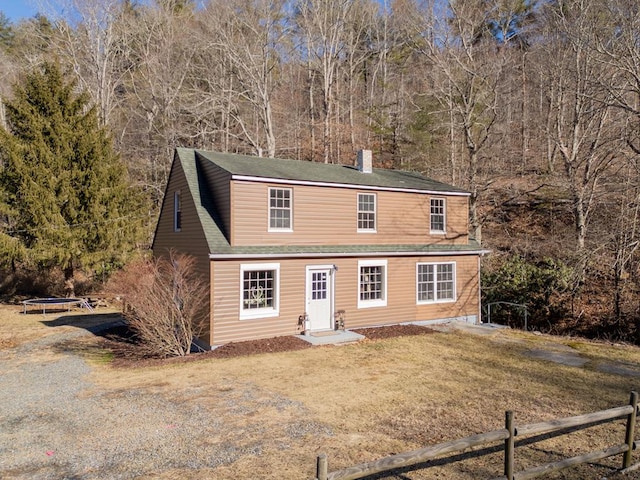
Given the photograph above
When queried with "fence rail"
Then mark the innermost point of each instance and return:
(508, 434)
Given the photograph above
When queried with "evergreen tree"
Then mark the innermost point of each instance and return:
(6, 32)
(64, 193)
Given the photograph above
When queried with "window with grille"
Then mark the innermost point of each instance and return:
(372, 283)
(366, 212)
(280, 209)
(435, 282)
(319, 286)
(259, 297)
(437, 215)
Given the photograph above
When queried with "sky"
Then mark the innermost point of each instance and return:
(16, 10)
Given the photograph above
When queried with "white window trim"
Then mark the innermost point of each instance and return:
(260, 312)
(437, 300)
(177, 201)
(373, 303)
(274, 229)
(444, 216)
(375, 213)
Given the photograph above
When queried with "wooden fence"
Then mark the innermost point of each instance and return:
(535, 432)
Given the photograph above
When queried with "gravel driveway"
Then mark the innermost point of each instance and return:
(56, 424)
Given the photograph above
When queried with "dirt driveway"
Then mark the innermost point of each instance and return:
(56, 423)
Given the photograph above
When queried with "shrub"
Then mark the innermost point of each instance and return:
(540, 286)
(166, 303)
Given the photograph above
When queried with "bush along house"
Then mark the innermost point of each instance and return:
(295, 247)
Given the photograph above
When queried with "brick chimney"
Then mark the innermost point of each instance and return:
(364, 161)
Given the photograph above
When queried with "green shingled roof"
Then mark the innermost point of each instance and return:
(303, 171)
(294, 170)
(356, 250)
(209, 219)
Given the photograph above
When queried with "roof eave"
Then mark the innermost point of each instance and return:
(283, 181)
(416, 253)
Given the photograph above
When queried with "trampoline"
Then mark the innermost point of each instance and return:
(44, 303)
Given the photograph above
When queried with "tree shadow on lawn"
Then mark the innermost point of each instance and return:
(110, 339)
(95, 323)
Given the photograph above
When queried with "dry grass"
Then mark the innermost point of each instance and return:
(16, 328)
(364, 401)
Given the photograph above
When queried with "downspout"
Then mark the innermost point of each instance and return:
(479, 320)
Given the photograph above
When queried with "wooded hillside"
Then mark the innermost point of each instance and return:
(533, 106)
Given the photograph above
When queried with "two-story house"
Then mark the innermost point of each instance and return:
(279, 240)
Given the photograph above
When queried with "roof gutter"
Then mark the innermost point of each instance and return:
(250, 256)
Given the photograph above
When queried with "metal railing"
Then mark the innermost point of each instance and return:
(519, 305)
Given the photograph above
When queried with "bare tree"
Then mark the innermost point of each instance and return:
(322, 24)
(166, 303)
(466, 79)
(396, 85)
(250, 35)
(159, 58)
(358, 50)
(90, 39)
(620, 56)
(584, 126)
(624, 236)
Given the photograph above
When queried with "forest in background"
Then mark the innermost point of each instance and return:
(532, 106)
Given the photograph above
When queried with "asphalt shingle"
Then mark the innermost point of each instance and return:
(302, 171)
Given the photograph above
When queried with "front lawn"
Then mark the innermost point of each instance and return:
(362, 401)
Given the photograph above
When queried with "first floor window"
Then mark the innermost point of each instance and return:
(436, 282)
(372, 283)
(260, 285)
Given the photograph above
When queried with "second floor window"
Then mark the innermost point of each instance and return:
(437, 215)
(366, 212)
(280, 209)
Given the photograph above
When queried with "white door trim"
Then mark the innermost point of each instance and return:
(331, 294)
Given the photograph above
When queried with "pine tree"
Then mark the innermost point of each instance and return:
(6, 32)
(64, 193)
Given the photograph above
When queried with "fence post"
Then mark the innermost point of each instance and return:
(509, 446)
(631, 428)
(322, 467)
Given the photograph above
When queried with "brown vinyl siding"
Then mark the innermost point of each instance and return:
(190, 239)
(328, 216)
(219, 184)
(226, 303)
(401, 296)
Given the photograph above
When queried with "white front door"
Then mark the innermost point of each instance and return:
(320, 297)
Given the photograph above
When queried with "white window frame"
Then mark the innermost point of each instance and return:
(375, 213)
(379, 302)
(267, 312)
(435, 282)
(443, 214)
(177, 211)
(290, 209)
